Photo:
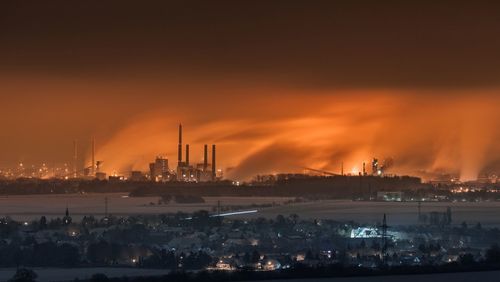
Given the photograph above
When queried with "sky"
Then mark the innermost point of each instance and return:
(277, 85)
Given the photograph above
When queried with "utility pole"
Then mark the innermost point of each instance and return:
(106, 207)
(93, 157)
(384, 239)
(218, 208)
(75, 159)
(419, 211)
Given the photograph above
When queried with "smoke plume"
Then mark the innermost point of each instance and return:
(416, 133)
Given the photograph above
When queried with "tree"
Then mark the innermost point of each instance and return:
(100, 252)
(493, 254)
(294, 218)
(363, 244)
(464, 225)
(68, 255)
(99, 277)
(247, 258)
(24, 275)
(43, 222)
(255, 256)
(198, 260)
(422, 248)
(280, 221)
(467, 259)
(375, 246)
(309, 255)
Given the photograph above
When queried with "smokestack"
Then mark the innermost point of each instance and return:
(213, 163)
(179, 153)
(205, 158)
(75, 159)
(364, 168)
(93, 156)
(187, 154)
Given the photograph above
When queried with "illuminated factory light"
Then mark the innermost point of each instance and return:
(354, 171)
(365, 232)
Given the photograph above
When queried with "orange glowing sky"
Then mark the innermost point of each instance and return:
(277, 86)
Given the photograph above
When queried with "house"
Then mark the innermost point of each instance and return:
(271, 265)
(224, 264)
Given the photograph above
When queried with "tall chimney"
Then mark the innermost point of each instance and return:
(75, 159)
(205, 158)
(179, 153)
(187, 154)
(364, 168)
(213, 164)
(93, 156)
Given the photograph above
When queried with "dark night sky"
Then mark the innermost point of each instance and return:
(323, 43)
(73, 69)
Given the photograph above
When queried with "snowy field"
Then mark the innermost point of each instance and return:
(119, 204)
(32, 207)
(402, 213)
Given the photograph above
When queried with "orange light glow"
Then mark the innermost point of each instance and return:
(423, 135)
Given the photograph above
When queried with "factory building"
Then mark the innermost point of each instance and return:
(186, 171)
(159, 171)
(100, 176)
(375, 168)
(380, 169)
(137, 176)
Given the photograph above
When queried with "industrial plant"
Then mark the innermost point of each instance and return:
(159, 169)
(186, 171)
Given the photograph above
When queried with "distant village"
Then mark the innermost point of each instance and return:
(207, 241)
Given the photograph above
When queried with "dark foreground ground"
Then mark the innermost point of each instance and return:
(487, 276)
(69, 274)
(60, 275)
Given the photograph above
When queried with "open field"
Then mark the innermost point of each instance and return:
(119, 204)
(398, 213)
(31, 207)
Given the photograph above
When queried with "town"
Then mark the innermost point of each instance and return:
(211, 241)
